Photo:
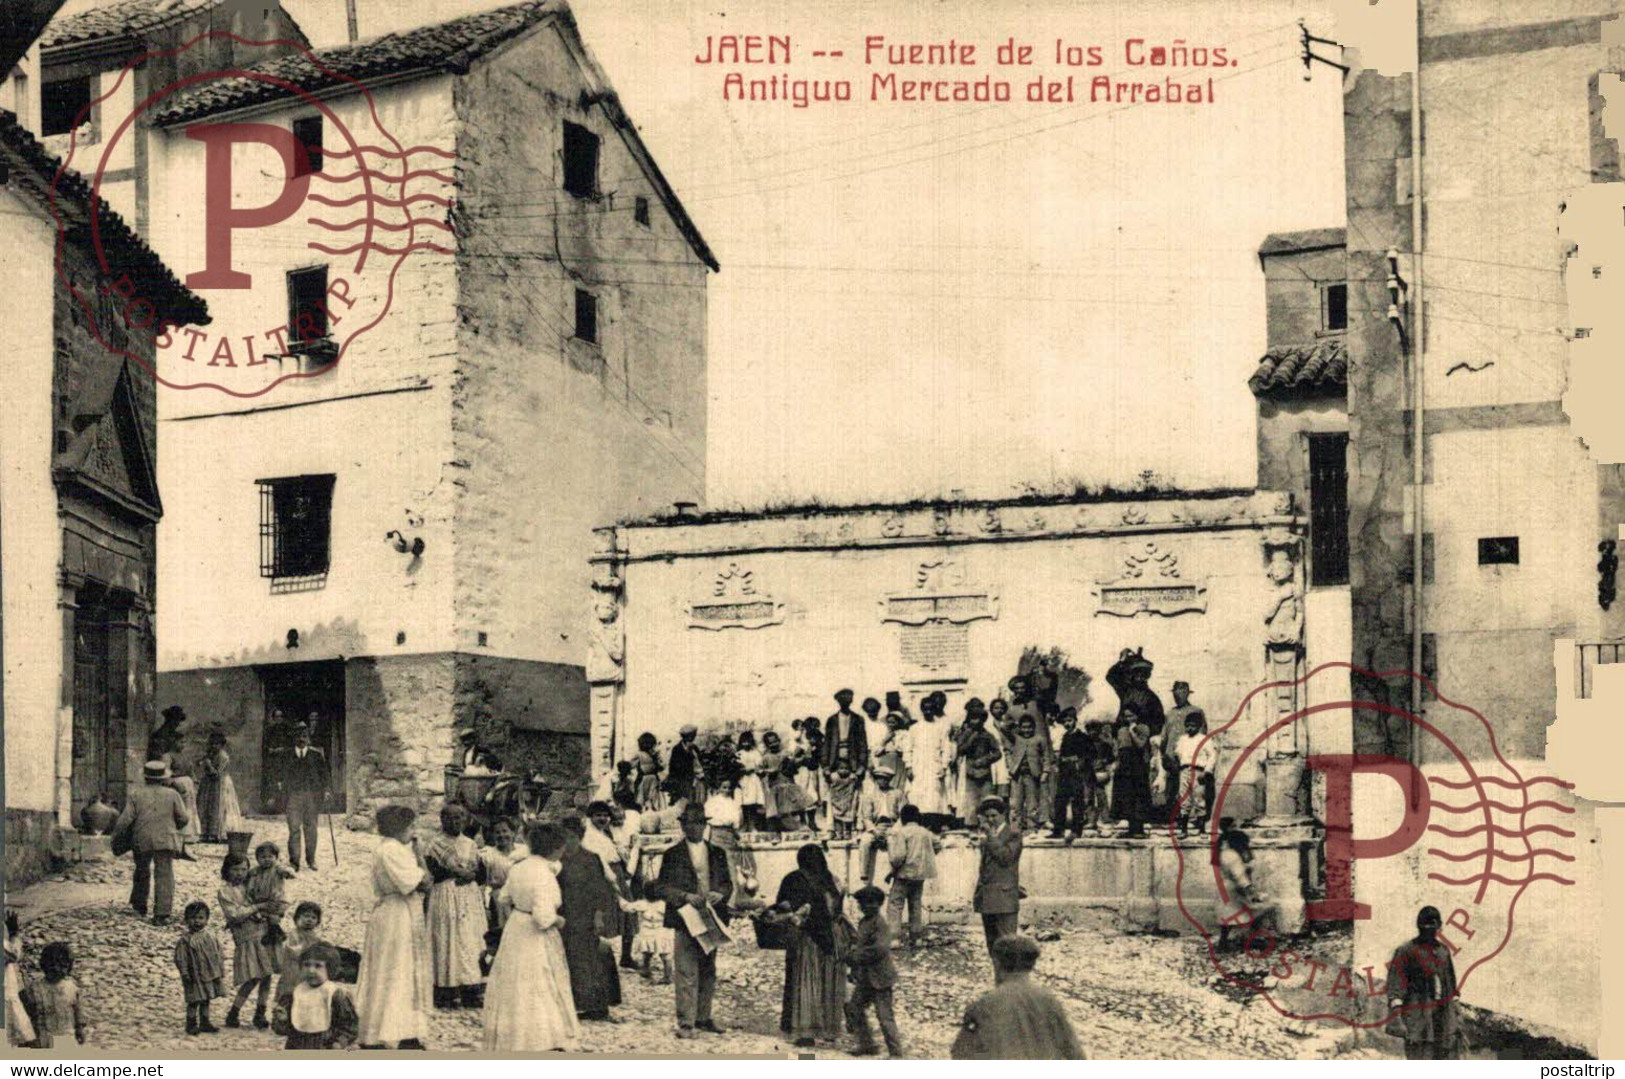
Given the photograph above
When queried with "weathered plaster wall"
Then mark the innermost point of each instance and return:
(555, 436)
(1507, 125)
(30, 536)
(1283, 448)
(387, 452)
(1292, 294)
(831, 572)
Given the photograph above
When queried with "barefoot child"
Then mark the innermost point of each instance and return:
(456, 912)
(202, 968)
(317, 1013)
(55, 1005)
(253, 963)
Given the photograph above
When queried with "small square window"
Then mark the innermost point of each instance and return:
(580, 161)
(1335, 307)
(61, 103)
(586, 315)
(307, 307)
(640, 211)
(1498, 550)
(307, 132)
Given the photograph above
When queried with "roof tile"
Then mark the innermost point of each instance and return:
(1317, 368)
(448, 45)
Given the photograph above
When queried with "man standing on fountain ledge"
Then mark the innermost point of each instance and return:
(998, 877)
(304, 782)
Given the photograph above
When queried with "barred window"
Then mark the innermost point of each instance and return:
(1328, 509)
(296, 516)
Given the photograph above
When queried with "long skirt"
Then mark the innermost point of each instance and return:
(814, 993)
(251, 958)
(186, 787)
(595, 981)
(208, 807)
(528, 1007)
(1131, 793)
(393, 993)
(456, 933)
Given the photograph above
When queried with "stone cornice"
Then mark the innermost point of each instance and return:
(934, 526)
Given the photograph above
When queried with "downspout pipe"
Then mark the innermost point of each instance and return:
(1417, 350)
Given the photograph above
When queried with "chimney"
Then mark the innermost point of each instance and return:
(685, 510)
(349, 11)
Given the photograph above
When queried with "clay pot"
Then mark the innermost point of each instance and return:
(97, 818)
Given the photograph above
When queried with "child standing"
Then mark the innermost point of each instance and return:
(648, 768)
(202, 968)
(456, 914)
(843, 802)
(317, 1013)
(253, 963)
(873, 977)
(307, 924)
(750, 783)
(654, 939)
(19, 1028)
(54, 1003)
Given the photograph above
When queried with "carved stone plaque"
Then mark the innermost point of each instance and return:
(935, 651)
(1152, 583)
(735, 603)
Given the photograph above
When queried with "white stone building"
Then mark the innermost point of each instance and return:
(397, 542)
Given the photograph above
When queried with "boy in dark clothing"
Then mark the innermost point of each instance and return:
(873, 976)
(1101, 759)
(1075, 774)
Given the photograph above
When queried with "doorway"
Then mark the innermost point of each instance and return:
(302, 693)
(100, 697)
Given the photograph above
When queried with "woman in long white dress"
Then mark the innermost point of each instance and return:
(394, 993)
(528, 1005)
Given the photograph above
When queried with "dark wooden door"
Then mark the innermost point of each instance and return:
(92, 699)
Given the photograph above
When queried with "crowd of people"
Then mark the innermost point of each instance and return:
(840, 775)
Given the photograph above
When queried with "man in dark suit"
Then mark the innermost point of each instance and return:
(998, 877)
(304, 783)
(683, 768)
(152, 821)
(682, 869)
(846, 743)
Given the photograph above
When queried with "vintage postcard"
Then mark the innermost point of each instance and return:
(957, 530)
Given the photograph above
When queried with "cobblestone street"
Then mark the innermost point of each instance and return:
(1130, 996)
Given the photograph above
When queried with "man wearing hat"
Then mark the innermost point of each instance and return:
(1130, 676)
(846, 739)
(151, 823)
(998, 878)
(304, 783)
(683, 868)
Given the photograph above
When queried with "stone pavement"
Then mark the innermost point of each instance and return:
(1132, 996)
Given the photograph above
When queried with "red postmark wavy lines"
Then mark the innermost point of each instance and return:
(1523, 831)
(372, 203)
(1476, 783)
(368, 196)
